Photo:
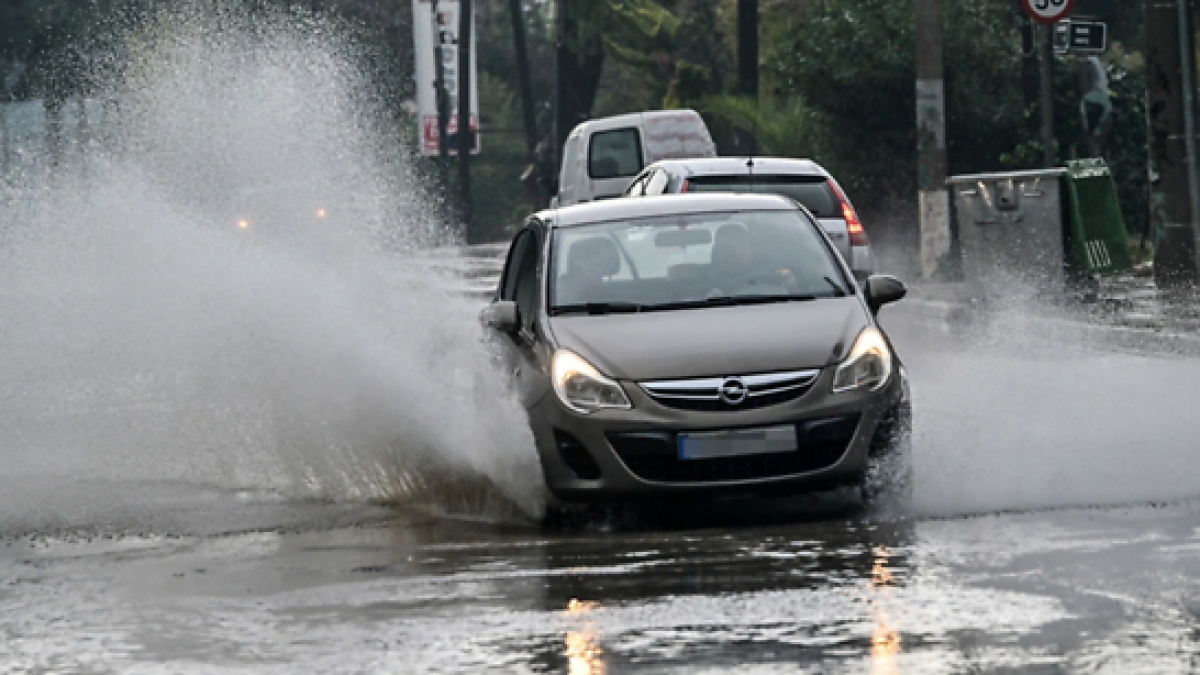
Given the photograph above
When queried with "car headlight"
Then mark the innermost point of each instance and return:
(581, 387)
(869, 365)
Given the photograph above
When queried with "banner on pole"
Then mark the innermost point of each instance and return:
(435, 36)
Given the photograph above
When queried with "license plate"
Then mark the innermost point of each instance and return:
(738, 442)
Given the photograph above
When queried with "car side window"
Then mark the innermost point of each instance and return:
(657, 184)
(616, 153)
(516, 256)
(525, 293)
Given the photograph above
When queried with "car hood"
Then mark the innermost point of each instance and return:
(714, 341)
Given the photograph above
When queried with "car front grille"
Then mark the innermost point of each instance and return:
(654, 455)
(705, 394)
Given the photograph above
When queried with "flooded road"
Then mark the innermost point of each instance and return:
(1003, 564)
(227, 447)
(1087, 590)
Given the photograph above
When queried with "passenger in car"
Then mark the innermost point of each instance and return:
(735, 269)
(589, 262)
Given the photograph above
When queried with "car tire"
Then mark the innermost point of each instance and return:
(888, 479)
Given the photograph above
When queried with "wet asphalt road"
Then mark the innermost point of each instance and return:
(1053, 530)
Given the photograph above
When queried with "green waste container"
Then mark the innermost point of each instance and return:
(1096, 241)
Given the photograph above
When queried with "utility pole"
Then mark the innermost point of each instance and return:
(1188, 49)
(1049, 145)
(1168, 58)
(747, 64)
(526, 90)
(465, 137)
(934, 201)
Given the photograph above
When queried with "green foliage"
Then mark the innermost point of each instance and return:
(500, 200)
(645, 17)
(1124, 145)
(861, 88)
(858, 79)
(688, 87)
(783, 127)
(630, 24)
(857, 76)
(638, 37)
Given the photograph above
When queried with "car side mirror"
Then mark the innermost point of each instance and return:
(883, 289)
(502, 315)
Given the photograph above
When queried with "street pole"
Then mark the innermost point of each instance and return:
(1049, 145)
(1171, 203)
(465, 140)
(526, 89)
(1188, 69)
(747, 64)
(934, 201)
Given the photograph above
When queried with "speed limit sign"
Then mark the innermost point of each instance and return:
(1048, 11)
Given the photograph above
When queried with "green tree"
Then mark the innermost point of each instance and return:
(858, 78)
(632, 32)
(782, 126)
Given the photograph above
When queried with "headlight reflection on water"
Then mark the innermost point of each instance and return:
(584, 655)
(885, 639)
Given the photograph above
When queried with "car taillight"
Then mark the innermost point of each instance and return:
(858, 236)
(685, 186)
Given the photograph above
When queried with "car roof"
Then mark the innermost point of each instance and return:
(743, 166)
(632, 119)
(665, 205)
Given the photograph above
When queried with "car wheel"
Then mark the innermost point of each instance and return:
(888, 478)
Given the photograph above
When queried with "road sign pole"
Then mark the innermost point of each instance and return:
(1049, 149)
(1048, 12)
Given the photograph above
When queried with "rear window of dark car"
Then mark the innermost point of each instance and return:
(811, 191)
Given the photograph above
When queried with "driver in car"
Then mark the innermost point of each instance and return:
(734, 267)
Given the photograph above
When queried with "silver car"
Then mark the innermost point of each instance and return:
(699, 344)
(800, 179)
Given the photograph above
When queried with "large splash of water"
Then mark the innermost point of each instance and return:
(228, 290)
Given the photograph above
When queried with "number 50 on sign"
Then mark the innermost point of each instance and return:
(1048, 11)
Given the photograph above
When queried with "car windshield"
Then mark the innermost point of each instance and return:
(811, 191)
(689, 260)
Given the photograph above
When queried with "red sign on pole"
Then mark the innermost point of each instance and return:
(1048, 11)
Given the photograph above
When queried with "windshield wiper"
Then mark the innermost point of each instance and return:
(598, 308)
(730, 301)
(716, 301)
(837, 289)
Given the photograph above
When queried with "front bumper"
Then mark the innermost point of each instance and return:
(631, 453)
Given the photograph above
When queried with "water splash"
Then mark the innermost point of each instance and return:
(228, 289)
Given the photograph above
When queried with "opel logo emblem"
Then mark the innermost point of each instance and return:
(733, 391)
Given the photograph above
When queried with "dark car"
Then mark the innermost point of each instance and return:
(699, 344)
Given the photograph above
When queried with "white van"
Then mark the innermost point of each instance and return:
(602, 155)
